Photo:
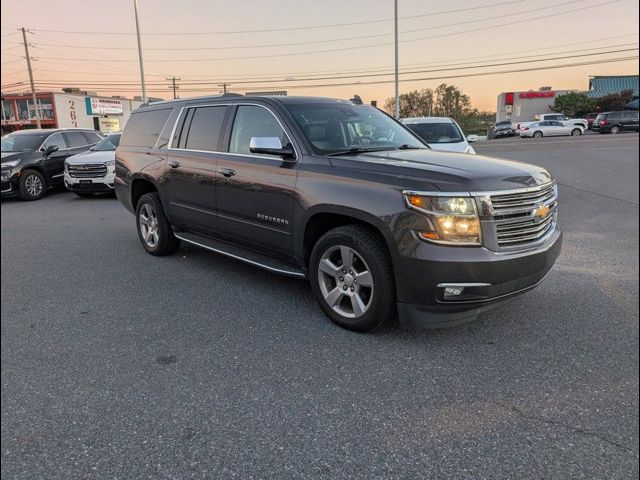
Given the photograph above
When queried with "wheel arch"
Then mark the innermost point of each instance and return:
(140, 185)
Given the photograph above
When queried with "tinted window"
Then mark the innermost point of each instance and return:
(630, 115)
(205, 129)
(437, 132)
(92, 137)
(75, 139)
(252, 121)
(614, 116)
(143, 127)
(55, 140)
(334, 127)
(20, 142)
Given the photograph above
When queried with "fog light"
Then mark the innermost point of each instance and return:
(453, 291)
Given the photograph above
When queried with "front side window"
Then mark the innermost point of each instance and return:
(253, 121)
(444, 132)
(334, 128)
(55, 140)
(205, 129)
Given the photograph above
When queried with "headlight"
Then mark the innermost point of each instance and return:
(452, 220)
(11, 163)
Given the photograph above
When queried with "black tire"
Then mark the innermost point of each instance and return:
(615, 130)
(380, 297)
(29, 180)
(538, 135)
(576, 132)
(84, 194)
(165, 241)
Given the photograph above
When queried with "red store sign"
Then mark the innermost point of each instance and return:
(548, 94)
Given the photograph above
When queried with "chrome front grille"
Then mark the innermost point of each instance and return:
(523, 218)
(95, 170)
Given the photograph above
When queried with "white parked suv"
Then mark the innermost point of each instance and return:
(93, 171)
(441, 133)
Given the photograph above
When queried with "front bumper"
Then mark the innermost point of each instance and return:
(90, 185)
(488, 278)
(9, 184)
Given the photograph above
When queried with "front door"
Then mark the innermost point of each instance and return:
(54, 162)
(256, 192)
(191, 169)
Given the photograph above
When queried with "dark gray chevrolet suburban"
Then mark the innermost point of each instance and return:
(343, 195)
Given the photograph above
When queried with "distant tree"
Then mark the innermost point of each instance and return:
(418, 103)
(574, 104)
(615, 101)
(451, 102)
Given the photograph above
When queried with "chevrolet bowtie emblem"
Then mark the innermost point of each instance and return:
(541, 211)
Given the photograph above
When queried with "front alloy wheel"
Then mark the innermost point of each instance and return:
(345, 281)
(351, 275)
(32, 185)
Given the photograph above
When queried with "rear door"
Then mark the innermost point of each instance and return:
(562, 128)
(192, 168)
(630, 120)
(255, 192)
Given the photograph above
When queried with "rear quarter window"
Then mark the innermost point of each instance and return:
(144, 127)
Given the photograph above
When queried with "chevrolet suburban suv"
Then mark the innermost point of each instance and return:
(343, 195)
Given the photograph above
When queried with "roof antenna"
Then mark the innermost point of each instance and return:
(356, 100)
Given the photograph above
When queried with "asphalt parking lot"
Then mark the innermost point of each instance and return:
(117, 364)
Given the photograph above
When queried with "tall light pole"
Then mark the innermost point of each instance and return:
(144, 88)
(395, 23)
(33, 88)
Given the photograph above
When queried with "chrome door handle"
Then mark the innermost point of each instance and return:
(173, 163)
(227, 172)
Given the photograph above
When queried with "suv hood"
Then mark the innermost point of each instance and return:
(449, 172)
(460, 147)
(91, 157)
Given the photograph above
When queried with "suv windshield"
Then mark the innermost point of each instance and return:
(341, 127)
(444, 132)
(107, 144)
(22, 142)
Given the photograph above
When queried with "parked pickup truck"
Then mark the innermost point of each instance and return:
(342, 195)
(561, 117)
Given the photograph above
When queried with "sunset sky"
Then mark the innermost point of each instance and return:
(321, 43)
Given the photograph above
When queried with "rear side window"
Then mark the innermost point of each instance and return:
(144, 127)
(75, 139)
(205, 129)
(630, 115)
(92, 137)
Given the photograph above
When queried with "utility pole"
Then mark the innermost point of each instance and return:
(224, 87)
(33, 88)
(395, 23)
(174, 86)
(144, 88)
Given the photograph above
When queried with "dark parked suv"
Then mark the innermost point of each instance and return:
(343, 195)
(616, 122)
(33, 160)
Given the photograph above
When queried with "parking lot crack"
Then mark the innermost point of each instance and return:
(598, 194)
(537, 418)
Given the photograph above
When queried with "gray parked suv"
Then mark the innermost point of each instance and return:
(344, 196)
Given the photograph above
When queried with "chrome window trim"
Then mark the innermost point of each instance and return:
(239, 104)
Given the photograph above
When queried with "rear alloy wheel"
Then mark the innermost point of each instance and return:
(153, 226)
(615, 130)
(351, 275)
(32, 185)
(576, 132)
(537, 135)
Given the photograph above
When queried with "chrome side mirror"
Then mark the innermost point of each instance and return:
(271, 146)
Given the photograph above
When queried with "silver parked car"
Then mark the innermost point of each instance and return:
(551, 128)
(441, 133)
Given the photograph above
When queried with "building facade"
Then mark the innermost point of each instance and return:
(68, 109)
(523, 106)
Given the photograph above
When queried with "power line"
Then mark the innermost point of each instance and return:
(361, 46)
(314, 42)
(380, 74)
(286, 29)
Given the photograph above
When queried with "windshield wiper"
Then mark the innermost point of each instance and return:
(410, 147)
(355, 151)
